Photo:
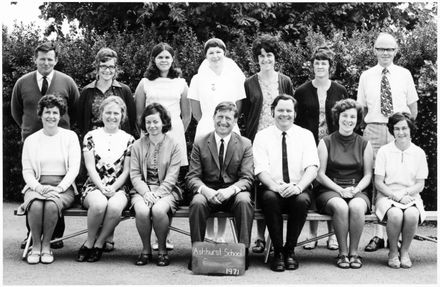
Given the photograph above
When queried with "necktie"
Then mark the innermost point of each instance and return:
(220, 154)
(44, 86)
(285, 165)
(386, 102)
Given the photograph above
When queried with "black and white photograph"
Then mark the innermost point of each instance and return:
(219, 143)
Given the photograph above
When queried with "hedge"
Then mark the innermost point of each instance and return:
(418, 53)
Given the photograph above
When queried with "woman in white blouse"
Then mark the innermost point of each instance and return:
(51, 160)
(400, 172)
(218, 79)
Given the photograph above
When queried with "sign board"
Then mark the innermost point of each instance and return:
(218, 258)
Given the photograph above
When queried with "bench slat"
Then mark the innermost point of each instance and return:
(183, 212)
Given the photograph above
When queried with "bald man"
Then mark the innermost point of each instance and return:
(383, 90)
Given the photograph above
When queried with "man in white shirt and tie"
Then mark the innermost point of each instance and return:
(286, 162)
(384, 90)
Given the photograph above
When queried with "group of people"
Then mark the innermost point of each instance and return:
(299, 149)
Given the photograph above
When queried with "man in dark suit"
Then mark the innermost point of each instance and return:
(220, 176)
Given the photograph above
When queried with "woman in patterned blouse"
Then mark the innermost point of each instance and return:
(154, 169)
(107, 159)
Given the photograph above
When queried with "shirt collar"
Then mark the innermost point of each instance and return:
(225, 139)
(289, 132)
(389, 68)
(92, 85)
(396, 149)
(48, 77)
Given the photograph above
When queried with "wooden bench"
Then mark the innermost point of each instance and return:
(183, 212)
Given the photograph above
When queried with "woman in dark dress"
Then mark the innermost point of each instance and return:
(315, 100)
(261, 89)
(346, 164)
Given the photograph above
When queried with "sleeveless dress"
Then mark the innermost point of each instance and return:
(168, 92)
(344, 166)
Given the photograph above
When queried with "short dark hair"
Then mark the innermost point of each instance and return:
(50, 101)
(153, 72)
(397, 117)
(283, 97)
(214, 42)
(117, 100)
(226, 106)
(154, 108)
(343, 105)
(46, 47)
(269, 43)
(324, 53)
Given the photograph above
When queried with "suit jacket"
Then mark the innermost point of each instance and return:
(204, 167)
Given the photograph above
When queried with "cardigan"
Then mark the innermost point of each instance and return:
(168, 166)
(85, 107)
(253, 103)
(307, 107)
(32, 162)
(25, 97)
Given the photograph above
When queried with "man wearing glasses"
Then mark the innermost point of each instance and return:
(29, 89)
(384, 90)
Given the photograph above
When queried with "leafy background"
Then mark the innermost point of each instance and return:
(132, 29)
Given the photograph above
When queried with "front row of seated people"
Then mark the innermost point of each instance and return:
(224, 167)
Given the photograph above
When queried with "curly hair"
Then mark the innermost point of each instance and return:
(50, 101)
(153, 71)
(343, 105)
(269, 43)
(397, 117)
(154, 108)
(116, 100)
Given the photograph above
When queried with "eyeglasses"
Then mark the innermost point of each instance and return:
(105, 67)
(383, 50)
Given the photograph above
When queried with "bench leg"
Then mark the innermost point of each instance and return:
(234, 231)
(69, 236)
(315, 238)
(184, 232)
(267, 248)
(26, 248)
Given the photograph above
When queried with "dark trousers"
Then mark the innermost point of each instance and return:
(296, 208)
(240, 205)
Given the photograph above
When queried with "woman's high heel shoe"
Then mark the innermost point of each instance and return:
(143, 259)
(163, 260)
(83, 254)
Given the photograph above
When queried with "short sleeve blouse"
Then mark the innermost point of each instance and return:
(110, 151)
(401, 168)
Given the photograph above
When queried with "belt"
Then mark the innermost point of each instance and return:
(381, 124)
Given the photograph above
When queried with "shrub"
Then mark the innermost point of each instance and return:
(353, 49)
